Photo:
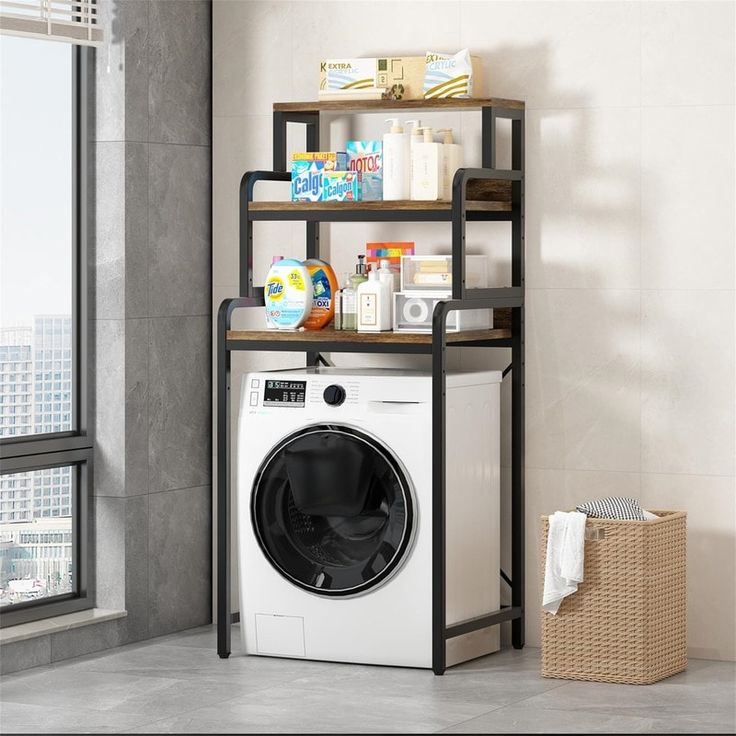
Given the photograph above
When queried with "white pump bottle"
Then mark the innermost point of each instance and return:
(452, 160)
(414, 138)
(426, 168)
(396, 162)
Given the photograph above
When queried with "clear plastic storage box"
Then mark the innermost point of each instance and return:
(434, 273)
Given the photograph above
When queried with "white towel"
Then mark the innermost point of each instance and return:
(565, 555)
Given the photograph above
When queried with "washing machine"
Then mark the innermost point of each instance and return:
(335, 514)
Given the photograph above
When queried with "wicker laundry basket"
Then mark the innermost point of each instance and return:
(626, 622)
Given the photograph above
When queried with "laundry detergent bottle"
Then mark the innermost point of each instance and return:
(324, 289)
(288, 294)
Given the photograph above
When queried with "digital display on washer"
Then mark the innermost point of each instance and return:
(284, 393)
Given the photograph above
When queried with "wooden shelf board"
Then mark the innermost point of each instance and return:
(453, 103)
(329, 334)
(404, 205)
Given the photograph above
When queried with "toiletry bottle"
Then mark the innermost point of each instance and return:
(395, 162)
(414, 138)
(361, 273)
(337, 319)
(348, 307)
(452, 160)
(386, 276)
(373, 305)
(416, 131)
(426, 168)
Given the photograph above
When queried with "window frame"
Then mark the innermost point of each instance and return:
(76, 447)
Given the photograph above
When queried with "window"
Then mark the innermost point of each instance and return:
(45, 447)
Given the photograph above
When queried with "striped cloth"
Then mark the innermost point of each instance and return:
(613, 507)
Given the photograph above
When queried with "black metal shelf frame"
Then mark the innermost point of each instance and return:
(462, 298)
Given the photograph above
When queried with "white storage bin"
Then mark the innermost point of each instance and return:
(413, 313)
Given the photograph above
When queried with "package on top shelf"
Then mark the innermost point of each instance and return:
(348, 74)
(402, 77)
(448, 75)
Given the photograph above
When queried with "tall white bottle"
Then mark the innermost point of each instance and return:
(416, 131)
(426, 168)
(415, 136)
(452, 160)
(395, 162)
(386, 276)
(374, 313)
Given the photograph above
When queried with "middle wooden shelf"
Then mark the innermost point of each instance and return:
(367, 211)
(329, 339)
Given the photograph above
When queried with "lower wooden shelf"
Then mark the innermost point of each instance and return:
(338, 337)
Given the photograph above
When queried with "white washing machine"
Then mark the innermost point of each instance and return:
(335, 514)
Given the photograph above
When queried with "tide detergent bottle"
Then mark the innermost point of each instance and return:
(324, 289)
(287, 294)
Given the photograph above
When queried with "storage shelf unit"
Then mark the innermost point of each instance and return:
(478, 194)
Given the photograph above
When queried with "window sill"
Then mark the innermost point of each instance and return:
(57, 624)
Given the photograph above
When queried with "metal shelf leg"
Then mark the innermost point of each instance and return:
(517, 476)
(439, 445)
(223, 485)
(224, 462)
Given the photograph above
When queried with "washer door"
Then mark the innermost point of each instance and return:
(332, 510)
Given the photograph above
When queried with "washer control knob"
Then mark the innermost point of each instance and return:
(334, 395)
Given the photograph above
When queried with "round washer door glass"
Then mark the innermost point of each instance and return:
(332, 510)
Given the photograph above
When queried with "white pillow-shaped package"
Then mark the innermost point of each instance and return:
(448, 75)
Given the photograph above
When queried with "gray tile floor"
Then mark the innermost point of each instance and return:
(177, 684)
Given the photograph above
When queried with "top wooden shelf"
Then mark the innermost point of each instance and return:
(451, 103)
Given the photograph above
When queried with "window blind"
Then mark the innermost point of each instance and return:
(73, 21)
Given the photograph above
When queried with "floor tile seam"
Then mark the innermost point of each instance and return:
(293, 681)
(173, 645)
(107, 711)
(180, 713)
(653, 720)
(221, 701)
(468, 720)
(69, 709)
(75, 711)
(552, 687)
(622, 710)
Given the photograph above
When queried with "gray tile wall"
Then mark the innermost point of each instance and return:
(151, 272)
(153, 262)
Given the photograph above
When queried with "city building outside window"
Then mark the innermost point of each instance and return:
(45, 448)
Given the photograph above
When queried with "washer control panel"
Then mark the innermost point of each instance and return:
(278, 392)
(314, 392)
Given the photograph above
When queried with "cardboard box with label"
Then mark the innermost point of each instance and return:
(402, 74)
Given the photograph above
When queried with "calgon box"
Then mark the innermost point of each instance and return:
(341, 186)
(307, 170)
